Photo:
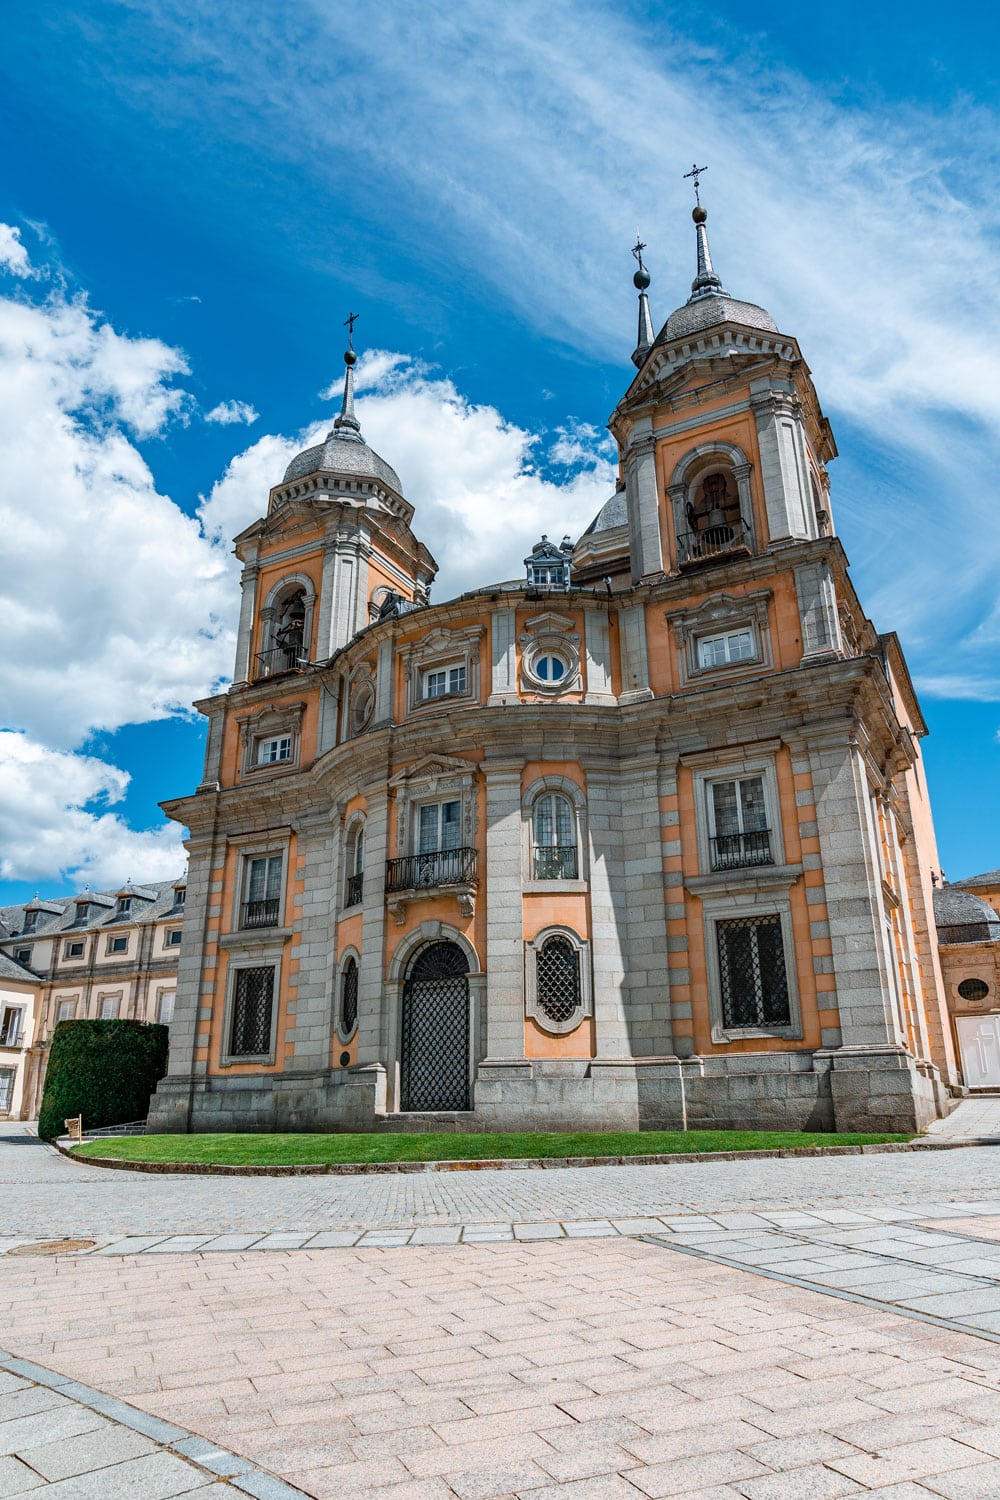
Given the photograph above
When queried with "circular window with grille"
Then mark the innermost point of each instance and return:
(974, 990)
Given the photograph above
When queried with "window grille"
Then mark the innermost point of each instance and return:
(7, 1076)
(253, 999)
(349, 997)
(558, 979)
(434, 1073)
(752, 972)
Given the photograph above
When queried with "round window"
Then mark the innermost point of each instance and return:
(550, 668)
(973, 989)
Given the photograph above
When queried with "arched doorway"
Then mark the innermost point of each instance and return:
(434, 1072)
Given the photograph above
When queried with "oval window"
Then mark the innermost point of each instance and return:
(550, 668)
(973, 989)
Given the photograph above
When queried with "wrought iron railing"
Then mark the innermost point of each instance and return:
(259, 913)
(441, 867)
(10, 1036)
(278, 659)
(556, 862)
(735, 851)
(355, 890)
(714, 541)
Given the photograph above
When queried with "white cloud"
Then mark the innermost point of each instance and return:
(55, 821)
(228, 413)
(13, 255)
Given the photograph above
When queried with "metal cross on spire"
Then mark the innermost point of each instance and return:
(637, 250)
(349, 323)
(696, 172)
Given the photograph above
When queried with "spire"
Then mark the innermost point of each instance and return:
(706, 283)
(645, 336)
(347, 418)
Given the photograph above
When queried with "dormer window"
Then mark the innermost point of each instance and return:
(180, 895)
(30, 921)
(82, 914)
(548, 566)
(123, 906)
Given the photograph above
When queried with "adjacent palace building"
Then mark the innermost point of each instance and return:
(640, 840)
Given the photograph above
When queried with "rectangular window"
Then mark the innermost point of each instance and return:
(180, 895)
(440, 827)
(65, 1010)
(262, 898)
(269, 752)
(253, 999)
(23, 955)
(172, 938)
(165, 1011)
(721, 650)
(73, 950)
(443, 681)
(10, 1026)
(109, 1008)
(740, 835)
(124, 907)
(7, 1076)
(30, 921)
(117, 944)
(752, 973)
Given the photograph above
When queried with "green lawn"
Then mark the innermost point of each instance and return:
(302, 1150)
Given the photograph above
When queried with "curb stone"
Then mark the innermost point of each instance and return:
(501, 1164)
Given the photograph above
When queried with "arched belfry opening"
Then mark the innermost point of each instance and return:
(435, 1051)
(713, 513)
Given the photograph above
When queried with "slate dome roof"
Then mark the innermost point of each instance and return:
(613, 512)
(964, 918)
(343, 452)
(705, 312)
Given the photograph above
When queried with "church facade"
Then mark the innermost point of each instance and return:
(641, 840)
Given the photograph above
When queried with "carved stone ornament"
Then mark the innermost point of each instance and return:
(549, 634)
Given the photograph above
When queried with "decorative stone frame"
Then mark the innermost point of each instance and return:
(731, 905)
(719, 615)
(696, 464)
(576, 796)
(354, 828)
(723, 765)
(443, 648)
(434, 778)
(532, 1009)
(269, 723)
(250, 847)
(270, 610)
(337, 1027)
(544, 634)
(359, 705)
(406, 950)
(266, 955)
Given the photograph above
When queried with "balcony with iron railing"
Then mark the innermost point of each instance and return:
(554, 862)
(712, 543)
(260, 913)
(739, 851)
(278, 659)
(355, 890)
(10, 1035)
(439, 868)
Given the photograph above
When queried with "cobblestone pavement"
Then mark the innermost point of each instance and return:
(976, 1118)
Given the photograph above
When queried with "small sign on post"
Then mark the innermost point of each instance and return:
(74, 1128)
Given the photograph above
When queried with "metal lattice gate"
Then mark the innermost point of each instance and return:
(435, 1051)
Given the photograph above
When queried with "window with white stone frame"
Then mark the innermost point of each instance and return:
(262, 885)
(727, 634)
(165, 1007)
(65, 1010)
(251, 1014)
(739, 823)
(752, 983)
(11, 1025)
(442, 669)
(108, 1007)
(550, 654)
(270, 739)
(557, 981)
(348, 976)
(7, 1077)
(354, 861)
(553, 827)
(737, 812)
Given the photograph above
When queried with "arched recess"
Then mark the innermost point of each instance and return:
(344, 1025)
(566, 787)
(406, 951)
(710, 493)
(276, 607)
(353, 846)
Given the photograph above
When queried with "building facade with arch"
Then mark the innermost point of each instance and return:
(639, 840)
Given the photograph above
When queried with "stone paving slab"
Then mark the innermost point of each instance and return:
(563, 1369)
(63, 1440)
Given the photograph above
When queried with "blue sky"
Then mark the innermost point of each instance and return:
(200, 193)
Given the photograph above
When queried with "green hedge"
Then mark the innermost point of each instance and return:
(105, 1071)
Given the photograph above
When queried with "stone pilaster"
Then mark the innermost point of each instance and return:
(635, 660)
(608, 917)
(504, 655)
(643, 783)
(318, 848)
(384, 684)
(787, 495)
(324, 628)
(642, 499)
(248, 612)
(818, 615)
(373, 1039)
(597, 645)
(504, 931)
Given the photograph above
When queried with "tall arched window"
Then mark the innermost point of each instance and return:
(355, 885)
(554, 851)
(558, 980)
(348, 1016)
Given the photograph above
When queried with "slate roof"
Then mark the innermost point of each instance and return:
(962, 917)
(613, 513)
(11, 969)
(990, 878)
(62, 917)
